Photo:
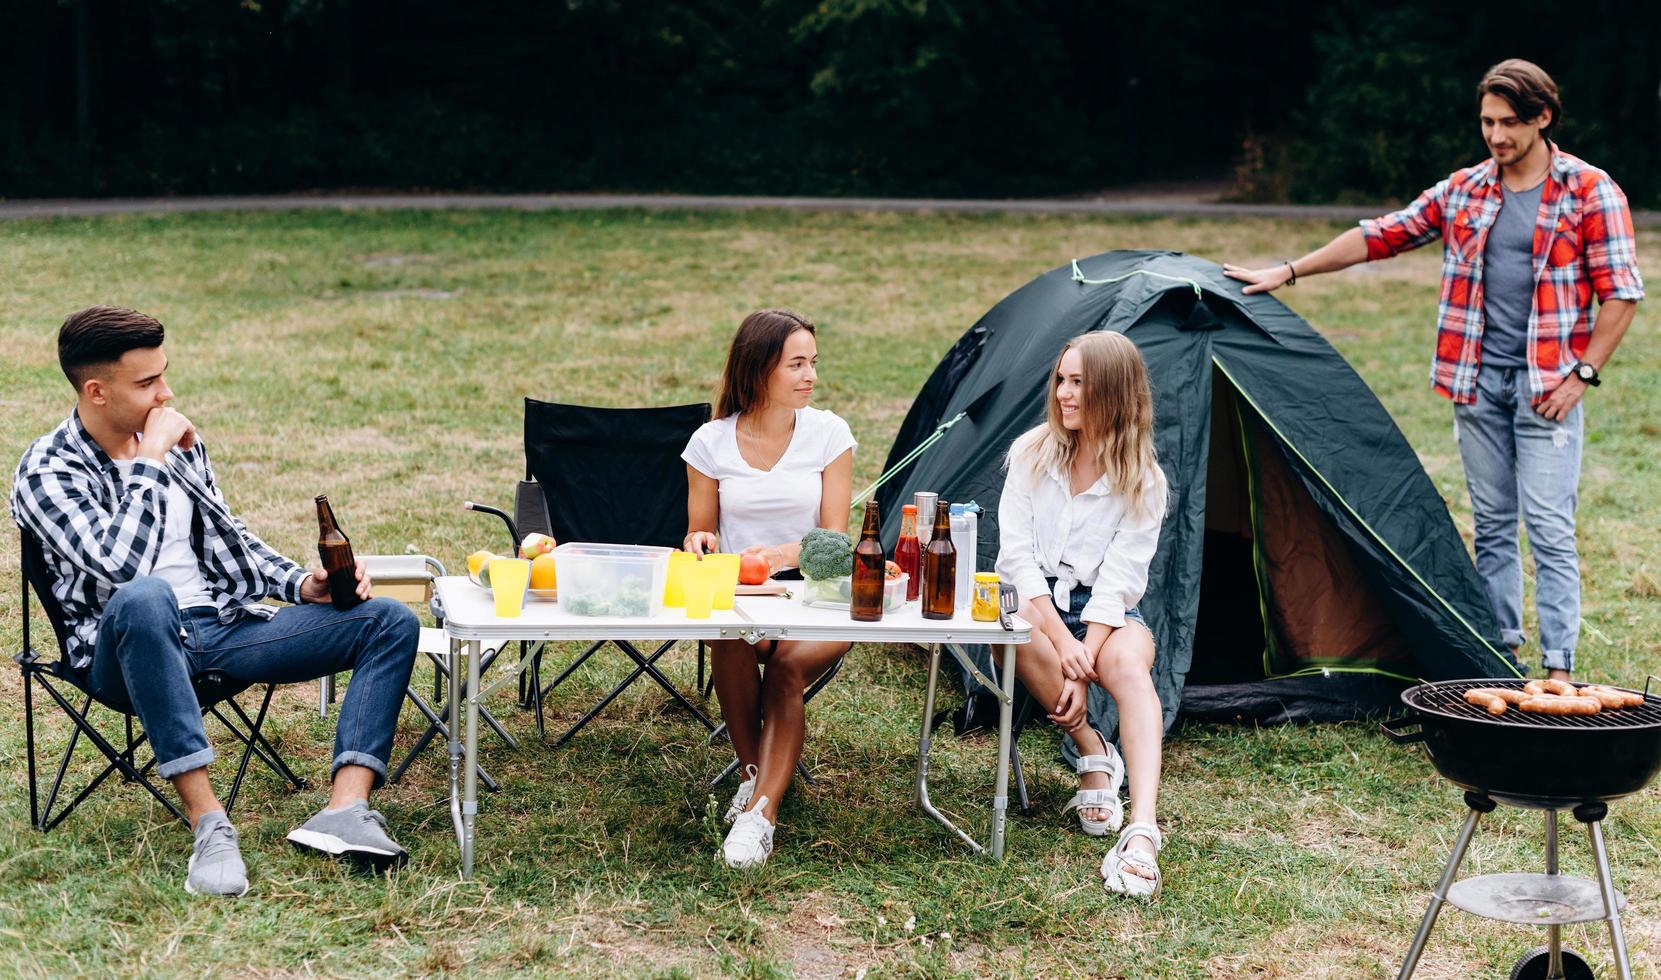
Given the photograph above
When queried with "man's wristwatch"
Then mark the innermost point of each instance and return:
(1586, 372)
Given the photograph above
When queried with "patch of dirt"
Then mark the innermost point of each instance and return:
(418, 293)
(820, 945)
(382, 261)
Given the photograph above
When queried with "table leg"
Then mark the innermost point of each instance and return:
(453, 659)
(923, 741)
(470, 774)
(1006, 714)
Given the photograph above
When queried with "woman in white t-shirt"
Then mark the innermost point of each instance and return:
(1078, 524)
(765, 472)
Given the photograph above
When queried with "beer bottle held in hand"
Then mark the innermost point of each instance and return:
(334, 550)
(940, 568)
(869, 574)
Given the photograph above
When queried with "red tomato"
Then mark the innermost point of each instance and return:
(891, 570)
(753, 570)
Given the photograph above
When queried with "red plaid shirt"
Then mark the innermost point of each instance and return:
(1583, 244)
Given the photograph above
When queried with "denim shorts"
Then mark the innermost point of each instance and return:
(1079, 598)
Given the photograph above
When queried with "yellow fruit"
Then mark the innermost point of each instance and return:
(542, 572)
(476, 561)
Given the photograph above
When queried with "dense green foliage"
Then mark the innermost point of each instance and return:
(930, 97)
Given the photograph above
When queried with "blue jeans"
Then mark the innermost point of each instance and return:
(148, 650)
(1518, 460)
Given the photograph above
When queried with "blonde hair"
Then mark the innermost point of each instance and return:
(1117, 410)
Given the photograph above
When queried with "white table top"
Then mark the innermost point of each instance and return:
(470, 614)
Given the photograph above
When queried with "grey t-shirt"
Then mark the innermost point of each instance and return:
(1508, 279)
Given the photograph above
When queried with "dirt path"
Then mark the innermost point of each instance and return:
(1188, 200)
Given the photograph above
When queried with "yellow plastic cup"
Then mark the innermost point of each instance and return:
(700, 586)
(674, 585)
(509, 578)
(726, 578)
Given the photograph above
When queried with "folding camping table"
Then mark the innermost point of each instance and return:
(471, 621)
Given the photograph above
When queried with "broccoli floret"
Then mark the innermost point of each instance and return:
(826, 554)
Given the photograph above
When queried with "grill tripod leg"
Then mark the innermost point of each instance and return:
(1554, 932)
(1479, 805)
(1592, 814)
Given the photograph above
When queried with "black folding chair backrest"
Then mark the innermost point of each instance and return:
(612, 474)
(38, 577)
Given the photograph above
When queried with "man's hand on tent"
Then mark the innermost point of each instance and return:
(1069, 711)
(1259, 280)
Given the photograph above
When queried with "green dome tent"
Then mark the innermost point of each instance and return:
(1307, 567)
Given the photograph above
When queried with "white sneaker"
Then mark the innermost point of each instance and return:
(741, 799)
(750, 840)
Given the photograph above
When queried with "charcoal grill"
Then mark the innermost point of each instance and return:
(1578, 763)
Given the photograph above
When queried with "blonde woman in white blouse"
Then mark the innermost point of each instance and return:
(1077, 527)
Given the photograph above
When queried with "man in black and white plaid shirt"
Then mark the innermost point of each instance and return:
(159, 581)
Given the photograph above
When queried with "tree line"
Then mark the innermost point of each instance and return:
(1350, 100)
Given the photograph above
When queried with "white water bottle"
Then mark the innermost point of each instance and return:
(965, 531)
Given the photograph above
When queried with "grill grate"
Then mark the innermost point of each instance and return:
(1447, 698)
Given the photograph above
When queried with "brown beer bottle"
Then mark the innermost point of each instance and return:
(940, 568)
(868, 570)
(334, 550)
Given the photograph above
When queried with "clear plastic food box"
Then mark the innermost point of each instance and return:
(837, 593)
(617, 580)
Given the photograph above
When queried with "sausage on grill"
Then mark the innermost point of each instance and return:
(1538, 687)
(1611, 697)
(1485, 699)
(1552, 704)
(1509, 695)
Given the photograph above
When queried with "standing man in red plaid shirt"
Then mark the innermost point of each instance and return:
(1528, 238)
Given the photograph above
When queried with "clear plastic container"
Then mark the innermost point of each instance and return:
(618, 580)
(837, 593)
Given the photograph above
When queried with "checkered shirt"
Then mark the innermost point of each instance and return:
(100, 529)
(1583, 245)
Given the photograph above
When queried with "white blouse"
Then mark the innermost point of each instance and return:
(1045, 531)
(769, 507)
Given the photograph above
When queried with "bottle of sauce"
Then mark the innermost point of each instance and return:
(868, 577)
(334, 550)
(908, 554)
(940, 569)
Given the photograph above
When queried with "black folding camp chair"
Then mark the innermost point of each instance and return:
(215, 691)
(612, 475)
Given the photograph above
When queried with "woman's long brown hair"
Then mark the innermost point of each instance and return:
(755, 352)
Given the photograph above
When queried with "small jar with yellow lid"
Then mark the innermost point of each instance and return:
(984, 608)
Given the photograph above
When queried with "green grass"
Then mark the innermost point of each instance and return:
(381, 358)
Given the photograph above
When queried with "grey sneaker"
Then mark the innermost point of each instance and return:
(216, 866)
(356, 832)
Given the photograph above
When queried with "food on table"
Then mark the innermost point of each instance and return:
(826, 554)
(476, 561)
(892, 570)
(753, 570)
(536, 544)
(1557, 704)
(631, 601)
(542, 573)
(984, 607)
(484, 569)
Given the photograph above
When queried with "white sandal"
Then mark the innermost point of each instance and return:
(1100, 799)
(1116, 874)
